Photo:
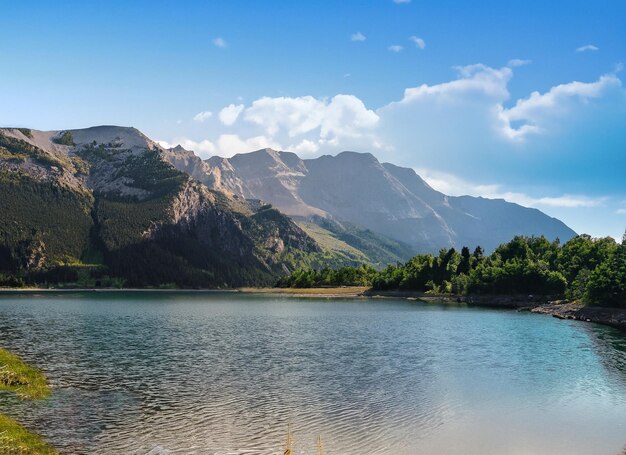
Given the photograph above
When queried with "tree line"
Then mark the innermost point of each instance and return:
(592, 270)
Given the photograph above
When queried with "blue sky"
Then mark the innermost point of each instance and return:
(521, 100)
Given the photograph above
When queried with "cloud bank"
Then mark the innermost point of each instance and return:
(472, 110)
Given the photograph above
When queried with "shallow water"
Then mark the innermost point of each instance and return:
(222, 373)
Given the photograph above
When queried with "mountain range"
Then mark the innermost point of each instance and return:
(356, 188)
(106, 202)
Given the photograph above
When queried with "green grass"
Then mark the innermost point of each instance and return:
(29, 383)
(21, 378)
(351, 242)
(17, 440)
(329, 241)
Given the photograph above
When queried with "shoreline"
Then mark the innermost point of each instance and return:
(546, 305)
(28, 383)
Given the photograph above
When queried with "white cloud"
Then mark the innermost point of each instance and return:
(621, 211)
(395, 48)
(472, 79)
(341, 116)
(534, 110)
(226, 145)
(219, 42)
(358, 36)
(484, 90)
(305, 123)
(203, 148)
(419, 42)
(231, 144)
(587, 47)
(306, 147)
(455, 186)
(518, 62)
(202, 116)
(228, 115)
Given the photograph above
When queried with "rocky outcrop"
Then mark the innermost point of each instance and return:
(614, 317)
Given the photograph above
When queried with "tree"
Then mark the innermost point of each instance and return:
(465, 264)
(65, 139)
(606, 285)
(478, 254)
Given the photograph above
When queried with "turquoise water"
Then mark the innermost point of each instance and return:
(222, 373)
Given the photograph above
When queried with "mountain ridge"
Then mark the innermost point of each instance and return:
(388, 199)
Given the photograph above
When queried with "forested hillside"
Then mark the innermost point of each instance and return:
(584, 268)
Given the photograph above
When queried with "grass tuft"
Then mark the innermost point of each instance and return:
(17, 440)
(17, 376)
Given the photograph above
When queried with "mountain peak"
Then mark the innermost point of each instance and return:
(264, 151)
(362, 156)
(259, 159)
(124, 136)
(179, 149)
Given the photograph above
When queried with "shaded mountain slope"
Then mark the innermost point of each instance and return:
(107, 193)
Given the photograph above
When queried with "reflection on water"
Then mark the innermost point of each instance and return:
(200, 373)
(610, 344)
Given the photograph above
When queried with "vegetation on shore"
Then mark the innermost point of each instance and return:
(21, 378)
(584, 268)
(28, 383)
(345, 291)
(15, 439)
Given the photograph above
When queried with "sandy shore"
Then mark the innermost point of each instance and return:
(338, 292)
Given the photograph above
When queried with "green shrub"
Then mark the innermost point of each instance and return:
(64, 138)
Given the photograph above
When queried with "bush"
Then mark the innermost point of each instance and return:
(64, 139)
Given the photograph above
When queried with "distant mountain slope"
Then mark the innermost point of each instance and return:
(67, 197)
(356, 244)
(386, 199)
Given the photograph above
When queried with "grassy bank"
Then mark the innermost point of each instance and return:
(19, 377)
(17, 440)
(26, 382)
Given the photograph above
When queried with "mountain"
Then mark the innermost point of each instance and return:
(276, 177)
(107, 205)
(103, 204)
(355, 188)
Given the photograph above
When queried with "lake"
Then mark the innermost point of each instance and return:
(228, 373)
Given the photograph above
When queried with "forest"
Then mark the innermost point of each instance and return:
(592, 270)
